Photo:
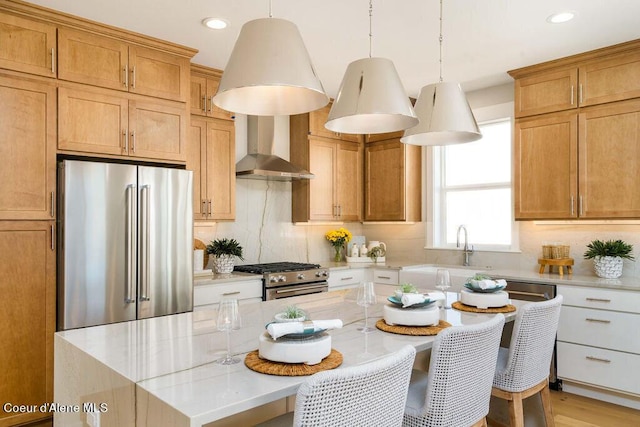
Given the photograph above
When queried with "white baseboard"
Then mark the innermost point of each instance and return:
(602, 394)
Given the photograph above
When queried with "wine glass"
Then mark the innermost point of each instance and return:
(228, 320)
(443, 282)
(366, 297)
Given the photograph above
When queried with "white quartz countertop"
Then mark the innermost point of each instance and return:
(172, 357)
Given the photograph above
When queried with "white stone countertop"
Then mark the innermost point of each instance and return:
(207, 277)
(172, 357)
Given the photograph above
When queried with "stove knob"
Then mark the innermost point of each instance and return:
(318, 274)
(324, 273)
(282, 279)
(300, 276)
(273, 279)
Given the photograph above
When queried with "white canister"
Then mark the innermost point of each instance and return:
(198, 259)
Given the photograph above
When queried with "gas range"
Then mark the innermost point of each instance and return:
(286, 279)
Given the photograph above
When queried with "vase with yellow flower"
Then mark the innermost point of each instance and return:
(338, 239)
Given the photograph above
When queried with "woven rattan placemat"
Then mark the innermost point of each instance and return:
(412, 330)
(264, 366)
(463, 307)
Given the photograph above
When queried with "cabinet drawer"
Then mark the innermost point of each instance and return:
(212, 294)
(600, 328)
(343, 279)
(604, 299)
(387, 277)
(604, 368)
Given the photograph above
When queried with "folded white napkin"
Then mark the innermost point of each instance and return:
(411, 299)
(489, 283)
(277, 330)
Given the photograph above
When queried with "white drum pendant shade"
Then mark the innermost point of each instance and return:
(371, 99)
(445, 117)
(269, 72)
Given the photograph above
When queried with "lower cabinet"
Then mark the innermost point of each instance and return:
(598, 339)
(346, 279)
(28, 315)
(207, 293)
(386, 276)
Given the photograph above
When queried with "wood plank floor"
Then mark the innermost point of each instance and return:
(571, 410)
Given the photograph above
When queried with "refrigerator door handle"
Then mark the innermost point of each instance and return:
(129, 244)
(144, 243)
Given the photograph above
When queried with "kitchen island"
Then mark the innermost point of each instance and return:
(161, 371)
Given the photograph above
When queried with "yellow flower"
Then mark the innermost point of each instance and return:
(339, 237)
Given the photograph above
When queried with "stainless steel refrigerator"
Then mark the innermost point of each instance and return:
(125, 247)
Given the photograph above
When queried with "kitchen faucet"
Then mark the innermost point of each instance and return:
(467, 249)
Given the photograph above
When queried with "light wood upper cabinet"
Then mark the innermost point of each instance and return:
(609, 161)
(545, 167)
(319, 117)
(114, 64)
(547, 92)
(392, 181)
(612, 79)
(28, 46)
(101, 122)
(211, 157)
(27, 149)
(27, 318)
(204, 86)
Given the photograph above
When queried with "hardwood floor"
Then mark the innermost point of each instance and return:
(571, 410)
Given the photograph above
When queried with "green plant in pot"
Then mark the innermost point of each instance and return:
(291, 314)
(608, 257)
(376, 252)
(224, 252)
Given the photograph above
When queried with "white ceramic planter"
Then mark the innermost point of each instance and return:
(223, 263)
(608, 267)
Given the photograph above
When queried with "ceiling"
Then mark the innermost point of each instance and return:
(482, 38)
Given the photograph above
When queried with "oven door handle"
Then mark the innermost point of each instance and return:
(297, 289)
(530, 294)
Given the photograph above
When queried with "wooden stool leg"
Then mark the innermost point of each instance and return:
(560, 270)
(569, 269)
(546, 405)
(541, 271)
(516, 411)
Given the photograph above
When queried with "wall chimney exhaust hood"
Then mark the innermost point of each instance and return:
(260, 162)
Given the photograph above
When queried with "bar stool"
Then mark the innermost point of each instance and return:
(523, 368)
(371, 394)
(456, 390)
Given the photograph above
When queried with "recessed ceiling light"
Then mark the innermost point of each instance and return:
(215, 23)
(560, 17)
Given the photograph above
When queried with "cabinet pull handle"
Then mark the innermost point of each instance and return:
(53, 203)
(204, 208)
(580, 205)
(133, 141)
(581, 100)
(53, 239)
(571, 94)
(209, 210)
(133, 77)
(589, 319)
(204, 104)
(339, 211)
(384, 277)
(347, 278)
(53, 61)
(597, 359)
(125, 76)
(230, 293)
(125, 141)
(598, 300)
(572, 210)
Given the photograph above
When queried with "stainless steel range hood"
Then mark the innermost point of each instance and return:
(260, 162)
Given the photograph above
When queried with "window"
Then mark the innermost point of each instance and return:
(472, 187)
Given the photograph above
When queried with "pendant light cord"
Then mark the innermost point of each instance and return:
(440, 40)
(270, 10)
(370, 26)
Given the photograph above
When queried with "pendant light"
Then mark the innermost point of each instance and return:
(444, 113)
(269, 72)
(371, 98)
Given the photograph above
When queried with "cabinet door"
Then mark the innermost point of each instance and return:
(27, 46)
(322, 195)
(213, 109)
(196, 162)
(545, 93)
(221, 169)
(608, 80)
(157, 130)
(545, 167)
(92, 59)
(609, 163)
(373, 137)
(318, 118)
(27, 318)
(92, 122)
(27, 149)
(385, 184)
(349, 181)
(198, 95)
(159, 74)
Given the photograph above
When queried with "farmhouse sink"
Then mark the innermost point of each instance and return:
(424, 277)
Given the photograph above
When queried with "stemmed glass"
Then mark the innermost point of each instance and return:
(228, 320)
(366, 297)
(443, 282)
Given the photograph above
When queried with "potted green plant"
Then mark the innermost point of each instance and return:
(608, 257)
(291, 314)
(405, 288)
(376, 252)
(224, 252)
